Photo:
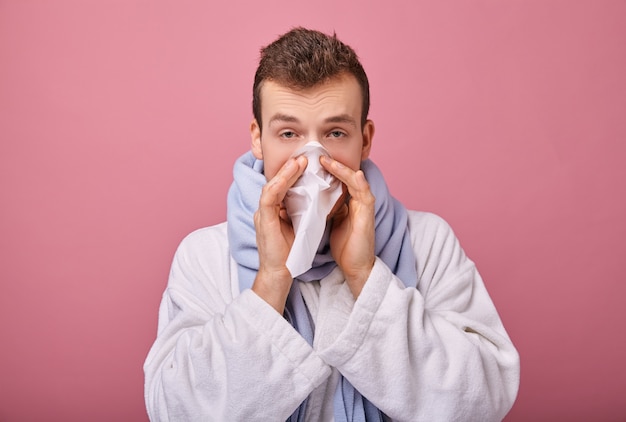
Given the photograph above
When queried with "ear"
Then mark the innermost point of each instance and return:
(368, 135)
(255, 137)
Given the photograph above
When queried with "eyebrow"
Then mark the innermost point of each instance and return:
(279, 117)
(341, 118)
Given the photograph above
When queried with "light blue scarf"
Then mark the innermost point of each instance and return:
(392, 245)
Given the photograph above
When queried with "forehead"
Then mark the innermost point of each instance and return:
(341, 91)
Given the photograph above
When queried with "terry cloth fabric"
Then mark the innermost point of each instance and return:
(392, 245)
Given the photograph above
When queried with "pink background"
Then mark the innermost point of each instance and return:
(120, 121)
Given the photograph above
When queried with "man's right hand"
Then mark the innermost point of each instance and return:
(274, 236)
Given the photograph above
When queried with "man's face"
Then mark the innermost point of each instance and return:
(329, 113)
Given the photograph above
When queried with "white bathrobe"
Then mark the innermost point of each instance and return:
(435, 353)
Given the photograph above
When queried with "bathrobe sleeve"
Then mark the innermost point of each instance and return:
(220, 355)
(435, 353)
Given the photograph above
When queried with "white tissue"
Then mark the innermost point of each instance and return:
(308, 203)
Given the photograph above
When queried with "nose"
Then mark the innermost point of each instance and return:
(313, 138)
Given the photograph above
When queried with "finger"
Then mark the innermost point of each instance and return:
(275, 190)
(301, 163)
(357, 185)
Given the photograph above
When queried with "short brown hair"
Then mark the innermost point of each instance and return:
(303, 58)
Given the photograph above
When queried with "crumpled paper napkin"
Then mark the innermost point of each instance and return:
(308, 202)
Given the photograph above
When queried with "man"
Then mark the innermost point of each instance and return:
(392, 322)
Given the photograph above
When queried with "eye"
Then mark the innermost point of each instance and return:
(288, 134)
(336, 134)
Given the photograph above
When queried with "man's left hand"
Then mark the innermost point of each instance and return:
(352, 235)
